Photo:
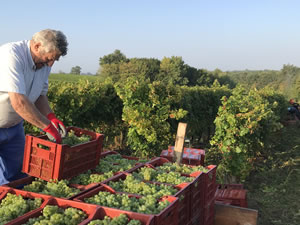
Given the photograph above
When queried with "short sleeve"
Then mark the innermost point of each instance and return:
(11, 72)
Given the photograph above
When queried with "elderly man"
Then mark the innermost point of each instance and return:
(24, 70)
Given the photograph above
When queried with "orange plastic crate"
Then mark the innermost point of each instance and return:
(89, 209)
(60, 161)
(19, 184)
(105, 211)
(166, 216)
(27, 195)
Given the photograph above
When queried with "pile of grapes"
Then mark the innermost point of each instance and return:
(71, 139)
(53, 214)
(89, 177)
(14, 206)
(120, 220)
(181, 168)
(115, 163)
(136, 186)
(55, 188)
(150, 174)
(146, 204)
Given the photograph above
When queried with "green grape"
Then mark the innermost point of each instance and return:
(181, 168)
(72, 139)
(13, 206)
(119, 220)
(53, 214)
(57, 189)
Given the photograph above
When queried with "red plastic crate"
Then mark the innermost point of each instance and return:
(191, 156)
(105, 211)
(89, 209)
(29, 195)
(61, 161)
(238, 197)
(19, 184)
(183, 195)
(209, 213)
(167, 216)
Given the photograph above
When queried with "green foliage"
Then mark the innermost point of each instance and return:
(76, 70)
(243, 123)
(147, 108)
(202, 105)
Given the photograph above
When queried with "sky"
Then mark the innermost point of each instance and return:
(216, 34)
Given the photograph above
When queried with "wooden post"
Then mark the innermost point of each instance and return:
(179, 142)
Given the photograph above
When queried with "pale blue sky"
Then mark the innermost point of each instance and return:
(224, 34)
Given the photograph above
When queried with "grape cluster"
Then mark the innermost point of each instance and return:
(150, 174)
(53, 214)
(147, 204)
(136, 186)
(13, 206)
(115, 163)
(181, 168)
(89, 177)
(55, 188)
(120, 220)
(72, 139)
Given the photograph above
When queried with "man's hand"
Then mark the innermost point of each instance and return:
(58, 124)
(52, 133)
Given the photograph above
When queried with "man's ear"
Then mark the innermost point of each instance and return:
(36, 46)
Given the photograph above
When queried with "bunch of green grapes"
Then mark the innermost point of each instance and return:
(119, 220)
(147, 204)
(136, 186)
(181, 168)
(13, 206)
(53, 214)
(115, 163)
(151, 174)
(55, 188)
(72, 139)
(89, 178)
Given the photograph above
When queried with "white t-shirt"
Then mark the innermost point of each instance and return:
(18, 74)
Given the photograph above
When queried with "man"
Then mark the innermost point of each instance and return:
(24, 70)
(294, 109)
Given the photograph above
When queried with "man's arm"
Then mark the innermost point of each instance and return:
(27, 110)
(42, 104)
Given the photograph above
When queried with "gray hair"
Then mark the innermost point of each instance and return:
(52, 40)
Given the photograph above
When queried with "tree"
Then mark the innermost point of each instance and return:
(116, 57)
(76, 70)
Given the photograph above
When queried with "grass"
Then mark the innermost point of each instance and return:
(274, 188)
(72, 77)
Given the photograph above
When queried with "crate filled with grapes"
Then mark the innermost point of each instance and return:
(162, 209)
(111, 163)
(185, 181)
(79, 152)
(119, 163)
(56, 188)
(204, 187)
(105, 216)
(17, 203)
(59, 211)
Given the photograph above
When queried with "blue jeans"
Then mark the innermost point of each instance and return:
(12, 142)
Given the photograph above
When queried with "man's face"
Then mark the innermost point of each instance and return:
(45, 59)
(42, 58)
